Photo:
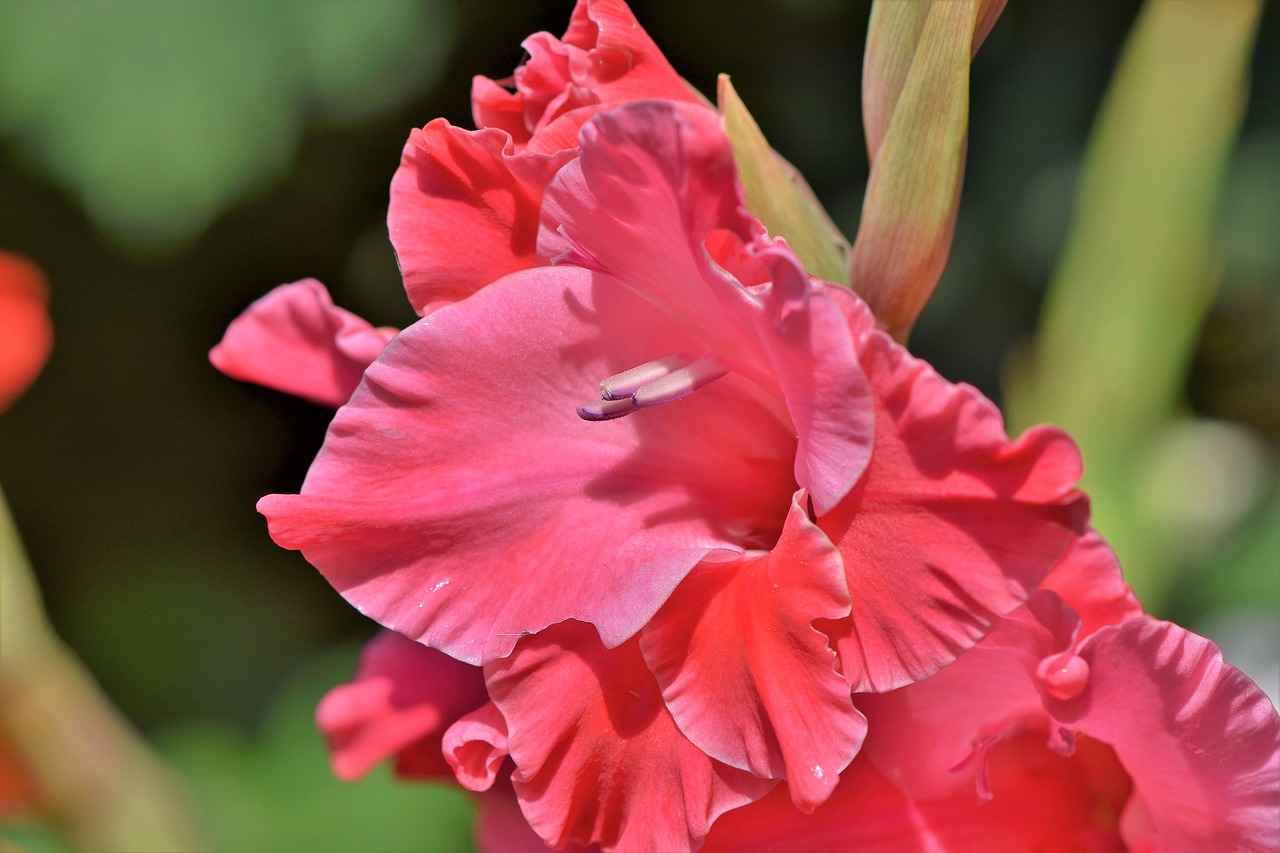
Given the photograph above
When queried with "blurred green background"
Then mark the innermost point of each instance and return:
(168, 161)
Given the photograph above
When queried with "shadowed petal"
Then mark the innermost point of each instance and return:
(932, 738)
(598, 757)
(501, 827)
(746, 675)
(864, 813)
(1088, 579)
(398, 705)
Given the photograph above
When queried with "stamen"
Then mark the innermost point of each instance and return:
(651, 384)
(679, 383)
(627, 382)
(606, 410)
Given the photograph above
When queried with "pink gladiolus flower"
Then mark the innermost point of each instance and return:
(482, 189)
(768, 504)
(1077, 724)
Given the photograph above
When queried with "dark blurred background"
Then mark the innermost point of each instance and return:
(168, 162)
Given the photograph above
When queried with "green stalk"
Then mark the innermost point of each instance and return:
(97, 780)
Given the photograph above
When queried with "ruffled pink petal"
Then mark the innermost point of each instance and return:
(460, 500)
(952, 526)
(615, 57)
(476, 746)
(1199, 739)
(654, 183)
(493, 105)
(399, 704)
(598, 757)
(745, 674)
(464, 210)
(1089, 580)
(295, 340)
(604, 58)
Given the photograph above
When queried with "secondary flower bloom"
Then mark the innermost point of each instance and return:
(1077, 724)
(482, 189)
(26, 334)
(398, 706)
(767, 505)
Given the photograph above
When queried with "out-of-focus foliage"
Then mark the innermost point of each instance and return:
(274, 790)
(77, 762)
(159, 114)
(1136, 279)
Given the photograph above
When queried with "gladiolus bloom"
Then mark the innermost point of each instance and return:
(766, 504)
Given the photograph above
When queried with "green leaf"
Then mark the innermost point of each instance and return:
(778, 195)
(1132, 287)
(159, 115)
(275, 791)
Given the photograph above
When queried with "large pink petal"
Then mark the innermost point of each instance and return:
(598, 757)
(460, 500)
(745, 674)
(399, 704)
(952, 526)
(654, 183)
(1199, 739)
(295, 340)
(464, 210)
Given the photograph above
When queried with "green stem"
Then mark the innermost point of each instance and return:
(97, 779)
